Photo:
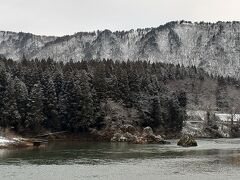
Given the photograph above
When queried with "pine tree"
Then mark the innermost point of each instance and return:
(3, 86)
(74, 106)
(134, 85)
(87, 106)
(35, 117)
(62, 107)
(21, 95)
(59, 83)
(182, 99)
(176, 116)
(221, 94)
(11, 115)
(99, 81)
(50, 106)
(156, 112)
(122, 90)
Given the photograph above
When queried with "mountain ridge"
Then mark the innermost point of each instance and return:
(215, 47)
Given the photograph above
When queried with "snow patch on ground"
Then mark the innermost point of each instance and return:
(199, 113)
(4, 141)
(224, 117)
(196, 123)
(227, 117)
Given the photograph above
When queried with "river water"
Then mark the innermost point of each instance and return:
(212, 159)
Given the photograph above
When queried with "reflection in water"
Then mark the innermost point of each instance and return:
(212, 159)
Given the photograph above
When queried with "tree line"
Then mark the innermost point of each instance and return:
(44, 95)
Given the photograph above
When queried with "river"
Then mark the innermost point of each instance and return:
(212, 159)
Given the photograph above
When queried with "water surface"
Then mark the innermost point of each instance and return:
(212, 159)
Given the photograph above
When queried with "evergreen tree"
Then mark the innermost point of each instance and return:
(35, 116)
(221, 94)
(182, 99)
(21, 95)
(87, 106)
(50, 106)
(58, 83)
(156, 112)
(134, 86)
(122, 90)
(3, 86)
(11, 115)
(62, 107)
(74, 107)
(99, 81)
(176, 116)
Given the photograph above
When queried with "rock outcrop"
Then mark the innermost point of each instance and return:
(125, 137)
(146, 137)
(187, 140)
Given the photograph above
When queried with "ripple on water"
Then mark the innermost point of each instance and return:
(212, 159)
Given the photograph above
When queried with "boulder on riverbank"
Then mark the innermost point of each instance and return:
(149, 137)
(146, 137)
(187, 140)
(124, 137)
(128, 128)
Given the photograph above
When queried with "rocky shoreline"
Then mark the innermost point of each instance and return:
(145, 137)
(125, 133)
(130, 134)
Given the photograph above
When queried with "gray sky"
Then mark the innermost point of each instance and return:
(60, 17)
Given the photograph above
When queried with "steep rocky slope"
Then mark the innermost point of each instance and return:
(213, 46)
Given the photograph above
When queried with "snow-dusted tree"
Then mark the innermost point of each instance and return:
(62, 107)
(58, 82)
(156, 114)
(123, 91)
(87, 106)
(221, 94)
(21, 95)
(35, 116)
(99, 80)
(175, 116)
(134, 86)
(3, 84)
(50, 106)
(74, 105)
(10, 115)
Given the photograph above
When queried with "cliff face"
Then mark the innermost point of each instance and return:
(213, 46)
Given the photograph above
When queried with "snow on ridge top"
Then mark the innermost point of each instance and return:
(213, 47)
(183, 22)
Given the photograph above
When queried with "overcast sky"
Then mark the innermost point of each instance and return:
(60, 17)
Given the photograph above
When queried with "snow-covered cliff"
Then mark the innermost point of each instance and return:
(213, 46)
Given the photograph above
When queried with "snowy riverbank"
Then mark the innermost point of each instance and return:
(15, 142)
(4, 142)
